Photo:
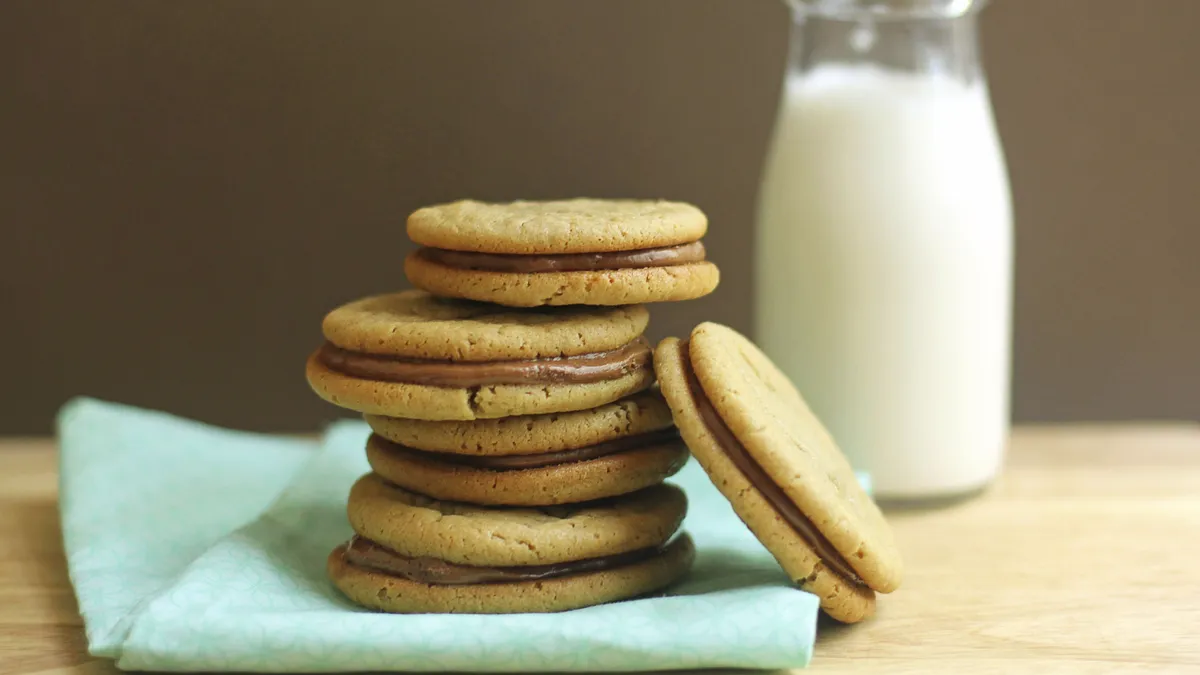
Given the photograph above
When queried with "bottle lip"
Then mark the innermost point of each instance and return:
(885, 10)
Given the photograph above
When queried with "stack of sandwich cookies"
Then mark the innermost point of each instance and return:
(575, 252)
(518, 455)
(787, 480)
(497, 430)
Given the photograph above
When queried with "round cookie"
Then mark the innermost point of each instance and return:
(719, 373)
(418, 325)
(413, 355)
(555, 227)
(566, 483)
(418, 526)
(399, 399)
(530, 434)
(593, 287)
(388, 593)
(573, 252)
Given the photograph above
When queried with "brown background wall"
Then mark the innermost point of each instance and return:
(186, 187)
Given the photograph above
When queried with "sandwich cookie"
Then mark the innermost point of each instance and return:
(532, 460)
(640, 413)
(414, 355)
(416, 554)
(563, 477)
(575, 252)
(773, 460)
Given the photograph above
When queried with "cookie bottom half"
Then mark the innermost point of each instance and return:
(630, 286)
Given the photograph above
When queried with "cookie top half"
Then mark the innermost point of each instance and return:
(415, 324)
(770, 419)
(556, 227)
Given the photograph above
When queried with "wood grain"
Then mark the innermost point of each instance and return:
(1084, 558)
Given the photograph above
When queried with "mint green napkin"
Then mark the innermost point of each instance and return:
(196, 548)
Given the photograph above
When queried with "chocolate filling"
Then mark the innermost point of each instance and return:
(513, 462)
(754, 473)
(363, 552)
(567, 262)
(581, 369)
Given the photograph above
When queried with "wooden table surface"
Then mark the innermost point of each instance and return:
(1084, 558)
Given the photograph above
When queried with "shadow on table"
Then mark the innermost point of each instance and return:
(906, 506)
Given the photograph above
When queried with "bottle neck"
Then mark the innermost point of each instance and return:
(922, 43)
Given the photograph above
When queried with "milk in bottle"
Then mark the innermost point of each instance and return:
(884, 242)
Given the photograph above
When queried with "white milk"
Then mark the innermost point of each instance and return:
(885, 270)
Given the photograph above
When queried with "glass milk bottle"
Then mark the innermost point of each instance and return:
(884, 250)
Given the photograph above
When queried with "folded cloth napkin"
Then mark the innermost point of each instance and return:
(197, 548)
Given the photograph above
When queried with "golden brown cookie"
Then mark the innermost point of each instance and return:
(531, 434)
(567, 226)
(551, 588)
(421, 326)
(417, 526)
(413, 355)
(599, 287)
(785, 477)
(577, 475)
(574, 252)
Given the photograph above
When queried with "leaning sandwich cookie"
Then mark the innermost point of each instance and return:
(785, 477)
